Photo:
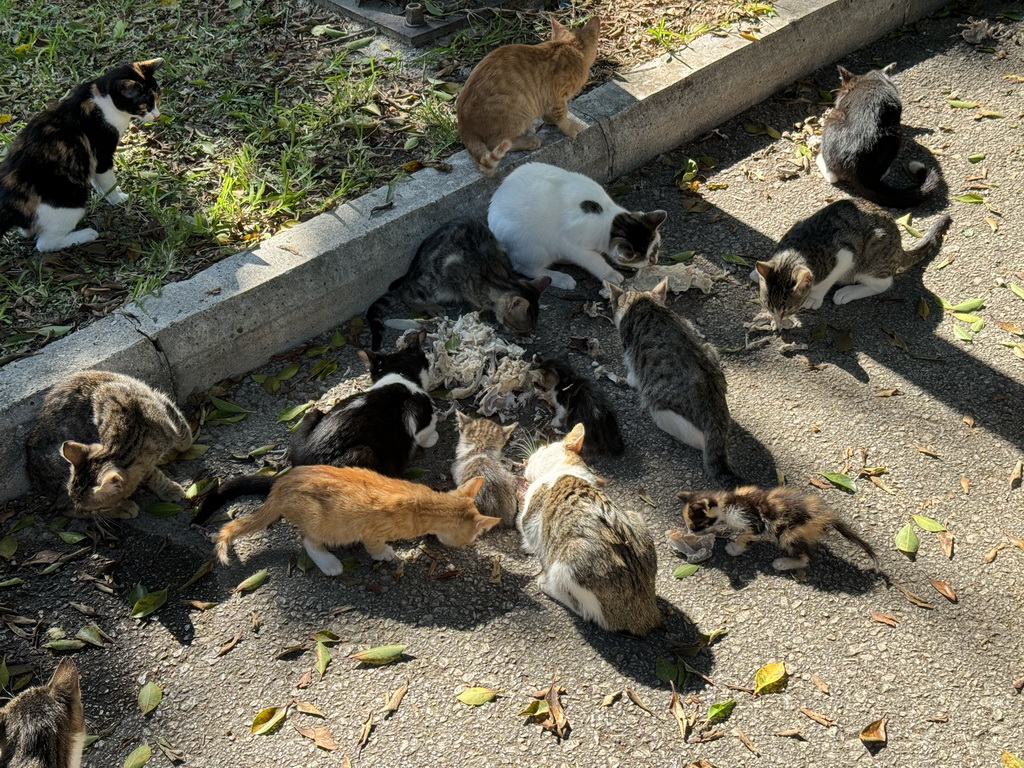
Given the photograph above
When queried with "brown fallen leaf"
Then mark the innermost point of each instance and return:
(1017, 475)
(817, 717)
(543, 692)
(675, 706)
(968, 419)
(791, 733)
(308, 708)
(943, 589)
(820, 684)
(391, 705)
(645, 497)
(888, 392)
(874, 733)
(879, 482)
(991, 555)
(918, 601)
(610, 699)
(820, 482)
(320, 736)
(946, 542)
(707, 736)
(292, 649)
(556, 721)
(346, 762)
(305, 679)
(43, 557)
(927, 451)
(1018, 685)
(635, 698)
(965, 483)
(229, 644)
(200, 605)
(741, 688)
(1015, 540)
(495, 577)
(937, 719)
(884, 618)
(364, 732)
(88, 610)
(739, 734)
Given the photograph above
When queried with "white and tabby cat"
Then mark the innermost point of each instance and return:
(44, 727)
(544, 215)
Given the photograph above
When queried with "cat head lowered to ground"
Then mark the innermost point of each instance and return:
(44, 727)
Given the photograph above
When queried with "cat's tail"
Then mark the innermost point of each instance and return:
(878, 191)
(928, 248)
(486, 159)
(850, 535)
(243, 526)
(246, 485)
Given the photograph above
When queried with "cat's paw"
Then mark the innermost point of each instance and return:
(735, 549)
(332, 567)
(754, 276)
(116, 197)
(829, 176)
(385, 554)
(846, 294)
(813, 302)
(126, 510)
(561, 280)
(788, 563)
(170, 492)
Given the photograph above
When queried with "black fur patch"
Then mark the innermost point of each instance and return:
(589, 206)
(634, 229)
(584, 403)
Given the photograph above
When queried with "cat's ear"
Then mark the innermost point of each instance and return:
(764, 268)
(484, 523)
(802, 278)
(150, 65)
(541, 283)
(613, 291)
(845, 75)
(655, 218)
(366, 356)
(592, 27)
(421, 338)
(660, 291)
(65, 677)
(574, 440)
(462, 418)
(129, 89)
(471, 487)
(508, 430)
(77, 454)
(558, 30)
(888, 69)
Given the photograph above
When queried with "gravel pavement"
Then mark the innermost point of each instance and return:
(943, 676)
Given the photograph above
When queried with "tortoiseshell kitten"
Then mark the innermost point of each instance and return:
(794, 521)
(46, 177)
(577, 400)
(44, 727)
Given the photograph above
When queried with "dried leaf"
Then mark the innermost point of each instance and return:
(918, 601)
(746, 741)
(557, 722)
(323, 658)
(201, 605)
(880, 483)
(821, 685)
(91, 634)
(817, 717)
(946, 542)
(268, 720)
(495, 577)
(1009, 760)
(1017, 476)
(675, 706)
(476, 697)
(1016, 541)
(770, 678)
(320, 736)
(229, 644)
(308, 708)
(888, 392)
(965, 483)
(927, 451)
(384, 654)
(202, 570)
(884, 618)
(635, 698)
(793, 733)
(991, 555)
(610, 699)
(149, 697)
(393, 702)
(364, 732)
(305, 679)
(65, 644)
(874, 733)
(938, 719)
(170, 752)
(944, 589)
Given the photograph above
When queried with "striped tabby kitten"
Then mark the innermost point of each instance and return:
(479, 454)
(462, 264)
(598, 560)
(46, 177)
(337, 506)
(99, 435)
(544, 215)
(861, 138)
(678, 376)
(848, 241)
(794, 521)
(44, 727)
(515, 84)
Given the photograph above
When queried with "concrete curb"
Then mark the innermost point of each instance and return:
(231, 317)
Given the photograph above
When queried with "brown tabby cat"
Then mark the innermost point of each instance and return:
(515, 84)
(479, 453)
(44, 727)
(335, 506)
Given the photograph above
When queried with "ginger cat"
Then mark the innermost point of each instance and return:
(335, 506)
(515, 84)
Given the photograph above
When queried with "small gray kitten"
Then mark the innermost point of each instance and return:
(44, 727)
(848, 241)
(99, 435)
(479, 453)
(598, 560)
(678, 376)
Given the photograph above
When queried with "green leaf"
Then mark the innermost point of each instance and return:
(476, 697)
(304, 561)
(149, 697)
(906, 540)
(904, 221)
(957, 104)
(976, 158)
(819, 332)
(5, 675)
(65, 644)
(970, 305)
(194, 451)
(57, 524)
(685, 570)
(923, 310)
(1009, 760)
(961, 334)
(326, 637)
(414, 473)
(253, 582)
(8, 546)
(268, 720)
(163, 509)
(720, 710)
(355, 45)
(317, 351)
(149, 603)
(411, 143)
(735, 258)
(288, 371)
(840, 480)
(202, 570)
(964, 317)
(770, 678)
(12, 582)
(338, 340)
(977, 325)
(291, 413)
(1017, 290)
(682, 257)
(452, 345)
(90, 633)
(843, 340)
(227, 407)
(138, 592)
(198, 488)
(71, 537)
(970, 198)
(384, 654)
(929, 524)
(25, 522)
(535, 708)
(323, 658)
(139, 757)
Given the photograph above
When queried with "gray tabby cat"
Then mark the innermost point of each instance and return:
(678, 376)
(461, 263)
(44, 727)
(848, 241)
(479, 454)
(99, 436)
(598, 560)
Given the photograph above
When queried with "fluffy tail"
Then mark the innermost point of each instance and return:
(716, 462)
(486, 159)
(850, 535)
(877, 191)
(257, 521)
(928, 248)
(246, 485)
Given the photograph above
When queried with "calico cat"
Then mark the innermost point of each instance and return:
(861, 138)
(544, 215)
(794, 521)
(578, 401)
(99, 436)
(335, 506)
(678, 376)
(44, 727)
(461, 263)
(848, 241)
(515, 84)
(598, 560)
(378, 429)
(479, 454)
(46, 176)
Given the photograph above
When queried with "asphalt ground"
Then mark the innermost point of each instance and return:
(942, 676)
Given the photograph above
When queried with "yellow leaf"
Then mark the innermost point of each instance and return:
(770, 678)
(476, 697)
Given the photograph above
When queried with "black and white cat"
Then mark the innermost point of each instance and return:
(544, 215)
(378, 429)
(577, 400)
(462, 263)
(44, 727)
(46, 177)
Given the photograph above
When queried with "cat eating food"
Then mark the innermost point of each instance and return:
(515, 84)
(336, 506)
(462, 263)
(794, 521)
(848, 241)
(598, 560)
(69, 147)
(861, 138)
(44, 727)
(479, 454)
(98, 436)
(544, 215)
(577, 400)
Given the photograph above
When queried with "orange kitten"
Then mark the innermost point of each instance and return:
(335, 506)
(515, 84)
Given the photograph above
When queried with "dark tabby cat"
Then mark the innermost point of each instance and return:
(44, 727)
(99, 436)
(378, 429)
(598, 560)
(678, 376)
(462, 263)
(577, 400)
(848, 241)
(479, 455)
(45, 178)
(794, 521)
(861, 138)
